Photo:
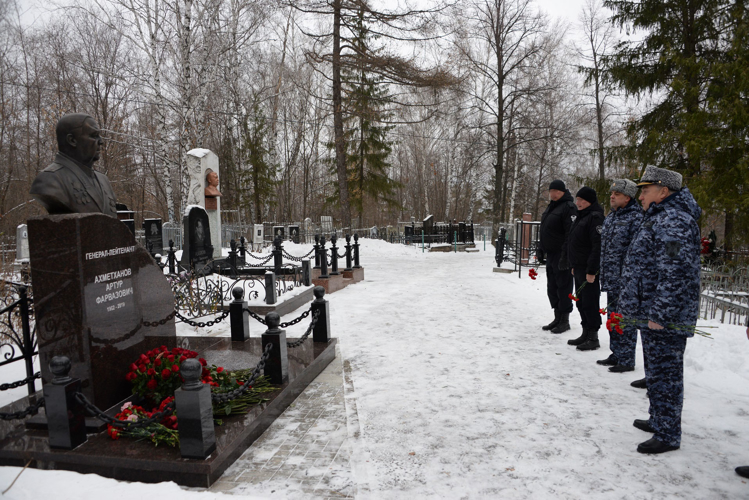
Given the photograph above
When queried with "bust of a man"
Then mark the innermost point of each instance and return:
(70, 184)
(211, 184)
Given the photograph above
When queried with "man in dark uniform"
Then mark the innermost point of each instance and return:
(70, 184)
(584, 251)
(619, 228)
(661, 293)
(555, 228)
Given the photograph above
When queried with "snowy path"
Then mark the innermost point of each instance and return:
(453, 391)
(461, 395)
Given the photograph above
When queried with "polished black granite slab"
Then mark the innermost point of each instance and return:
(127, 459)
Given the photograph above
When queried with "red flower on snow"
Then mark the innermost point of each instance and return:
(532, 273)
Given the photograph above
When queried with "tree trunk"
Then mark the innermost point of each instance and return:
(340, 150)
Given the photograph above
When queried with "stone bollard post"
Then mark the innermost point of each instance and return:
(306, 273)
(270, 288)
(240, 319)
(321, 333)
(277, 365)
(348, 253)
(317, 251)
(277, 255)
(171, 259)
(323, 259)
(334, 256)
(242, 250)
(233, 254)
(65, 419)
(194, 409)
(356, 252)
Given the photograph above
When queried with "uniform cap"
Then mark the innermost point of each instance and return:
(624, 186)
(661, 177)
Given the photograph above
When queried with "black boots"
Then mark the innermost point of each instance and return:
(743, 471)
(643, 425)
(563, 324)
(640, 384)
(653, 446)
(579, 340)
(591, 342)
(621, 369)
(610, 361)
(553, 323)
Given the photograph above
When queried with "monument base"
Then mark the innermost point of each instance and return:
(503, 270)
(356, 275)
(130, 460)
(330, 284)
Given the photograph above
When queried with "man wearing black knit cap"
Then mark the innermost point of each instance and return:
(584, 251)
(555, 227)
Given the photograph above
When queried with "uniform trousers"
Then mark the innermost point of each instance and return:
(623, 345)
(664, 376)
(558, 284)
(590, 300)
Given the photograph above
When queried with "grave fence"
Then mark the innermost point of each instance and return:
(724, 293)
(194, 402)
(18, 334)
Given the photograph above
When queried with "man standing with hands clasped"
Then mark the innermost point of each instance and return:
(585, 257)
(661, 293)
(619, 228)
(555, 228)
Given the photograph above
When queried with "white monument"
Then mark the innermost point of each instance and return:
(201, 163)
(22, 243)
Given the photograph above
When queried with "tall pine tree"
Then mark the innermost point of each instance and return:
(685, 44)
(365, 99)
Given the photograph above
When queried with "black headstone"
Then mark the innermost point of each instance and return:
(409, 231)
(154, 237)
(428, 225)
(462, 232)
(278, 232)
(94, 290)
(197, 250)
(294, 234)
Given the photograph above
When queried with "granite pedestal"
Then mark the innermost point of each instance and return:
(130, 460)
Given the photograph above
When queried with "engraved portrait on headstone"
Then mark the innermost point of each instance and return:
(70, 184)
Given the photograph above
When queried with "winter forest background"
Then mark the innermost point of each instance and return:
(376, 113)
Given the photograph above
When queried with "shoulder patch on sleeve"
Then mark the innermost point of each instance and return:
(573, 217)
(599, 229)
(672, 249)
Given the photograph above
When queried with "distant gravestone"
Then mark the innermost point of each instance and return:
(154, 237)
(99, 298)
(428, 225)
(408, 231)
(199, 162)
(130, 223)
(294, 234)
(197, 250)
(22, 243)
(258, 235)
(326, 224)
(462, 232)
(278, 232)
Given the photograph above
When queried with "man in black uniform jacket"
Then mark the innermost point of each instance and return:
(584, 250)
(555, 228)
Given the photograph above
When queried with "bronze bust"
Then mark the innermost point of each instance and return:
(70, 184)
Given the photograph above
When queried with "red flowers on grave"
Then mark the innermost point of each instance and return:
(532, 273)
(163, 432)
(155, 375)
(705, 243)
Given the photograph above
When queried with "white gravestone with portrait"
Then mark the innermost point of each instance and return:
(203, 170)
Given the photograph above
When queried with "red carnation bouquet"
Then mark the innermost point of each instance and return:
(532, 273)
(164, 432)
(155, 375)
(616, 320)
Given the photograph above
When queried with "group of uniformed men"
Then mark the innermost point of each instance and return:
(647, 259)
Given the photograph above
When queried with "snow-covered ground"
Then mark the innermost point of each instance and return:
(460, 394)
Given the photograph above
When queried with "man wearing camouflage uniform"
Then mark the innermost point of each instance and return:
(661, 292)
(618, 229)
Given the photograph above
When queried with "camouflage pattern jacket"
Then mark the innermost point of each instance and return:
(619, 228)
(661, 274)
